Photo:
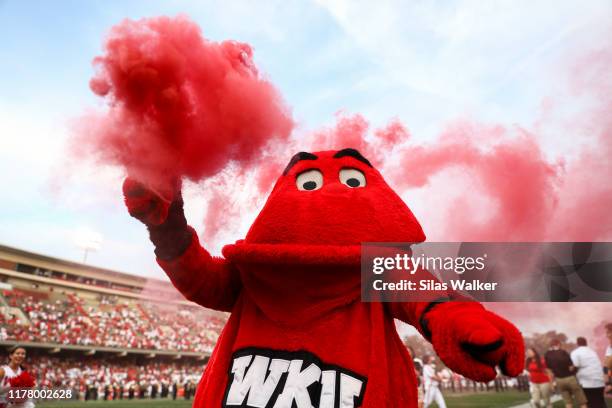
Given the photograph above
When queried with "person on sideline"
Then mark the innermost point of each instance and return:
(562, 371)
(432, 383)
(609, 358)
(590, 373)
(539, 381)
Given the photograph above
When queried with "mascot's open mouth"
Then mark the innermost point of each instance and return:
(291, 254)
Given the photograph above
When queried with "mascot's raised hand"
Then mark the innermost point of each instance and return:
(164, 218)
(144, 204)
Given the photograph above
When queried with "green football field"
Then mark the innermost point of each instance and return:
(489, 400)
(481, 400)
(493, 399)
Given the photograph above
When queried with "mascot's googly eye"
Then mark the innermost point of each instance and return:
(309, 180)
(352, 178)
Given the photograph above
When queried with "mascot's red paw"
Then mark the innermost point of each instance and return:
(144, 204)
(473, 341)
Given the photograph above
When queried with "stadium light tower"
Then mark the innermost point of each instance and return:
(88, 240)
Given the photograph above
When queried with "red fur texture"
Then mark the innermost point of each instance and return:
(460, 327)
(293, 286)
(143, 204)
(334, 214)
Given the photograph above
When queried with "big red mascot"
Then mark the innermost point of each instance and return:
(299, 334)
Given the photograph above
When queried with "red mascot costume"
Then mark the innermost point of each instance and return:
(299, 334)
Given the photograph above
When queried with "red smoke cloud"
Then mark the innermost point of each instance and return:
(353, 131)
(179, 104)
(220, 208)
(583, 213)
(350, 131)
(528, 197)
(237, 191)
(511, 190)
(182, 106)
(513, 174)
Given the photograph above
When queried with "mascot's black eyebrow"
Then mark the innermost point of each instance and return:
(298, 157)
(352, 153)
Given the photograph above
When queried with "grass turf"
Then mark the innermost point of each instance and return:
(486, 399)
(490, 400)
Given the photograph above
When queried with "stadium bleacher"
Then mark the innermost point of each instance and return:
(65, 318)
(104, 334)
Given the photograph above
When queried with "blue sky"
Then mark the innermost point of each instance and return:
(423, 62)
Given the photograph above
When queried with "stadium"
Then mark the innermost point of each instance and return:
(120, 340)
(228, 163)
(105, 335)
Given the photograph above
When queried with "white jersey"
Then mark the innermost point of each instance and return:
(8, 374)
(429, 376)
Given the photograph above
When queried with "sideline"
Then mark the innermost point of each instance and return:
(554, 399)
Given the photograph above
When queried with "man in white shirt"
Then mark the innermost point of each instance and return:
(590, 373)
(431, 381)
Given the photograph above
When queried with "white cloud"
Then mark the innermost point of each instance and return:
(472, 56)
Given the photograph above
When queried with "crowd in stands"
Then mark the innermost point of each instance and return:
(96, 378)
(110, 321)
(47, 273)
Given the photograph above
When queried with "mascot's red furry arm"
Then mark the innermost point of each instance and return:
(298, 334)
